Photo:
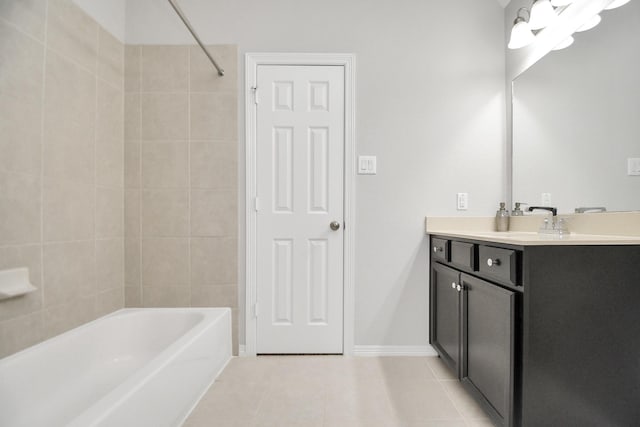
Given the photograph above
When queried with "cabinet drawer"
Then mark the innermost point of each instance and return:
(440, 249)
(463, 255)
(499, 264)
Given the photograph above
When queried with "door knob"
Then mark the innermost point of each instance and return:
(335, 225)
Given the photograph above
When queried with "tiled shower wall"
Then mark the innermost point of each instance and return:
(181, 215)
(61, 168)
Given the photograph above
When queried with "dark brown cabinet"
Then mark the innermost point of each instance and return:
(540, 335)
(472, 329)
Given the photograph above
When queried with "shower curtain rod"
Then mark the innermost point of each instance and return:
(195, 36)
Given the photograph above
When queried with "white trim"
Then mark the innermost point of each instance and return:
(242, 350)
(252, 60)
(394, 350)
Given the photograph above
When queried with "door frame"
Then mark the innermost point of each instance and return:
(347, 61)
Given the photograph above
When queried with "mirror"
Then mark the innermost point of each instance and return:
(576, 120)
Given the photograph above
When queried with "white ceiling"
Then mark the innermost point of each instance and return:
(503, 3)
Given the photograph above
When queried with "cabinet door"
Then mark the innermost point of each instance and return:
(445, 315)
(488, 324)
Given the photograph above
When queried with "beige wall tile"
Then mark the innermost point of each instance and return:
(214, 164)
(109, 264)
(205, 78)
(109, 301)
(19, 208)
(18, 257)
(69, 112)
(69, 271)
(214, 115)
(110, 113)
(133, 296)
(109, 136)
(20, 100)
(28, 15)
(132, 68)
(214, 296)
(165, 296)
(165, 213)
(165, 68)
(74, 312)
(110, 163)
(110, 59)
(132, 115)
(20, 332)
(214, 212)
(132, 265)
(68, 209)
(213, 261)
(132, 213)
(72, 32)
(165, 165)
(165, 116)
(132, 172)
(165, 262)
(109, 212)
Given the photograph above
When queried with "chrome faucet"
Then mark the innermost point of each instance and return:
(591, 209)
(554, 227)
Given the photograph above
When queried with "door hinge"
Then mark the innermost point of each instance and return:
(255, 310)
(255, 94)
(256, 204)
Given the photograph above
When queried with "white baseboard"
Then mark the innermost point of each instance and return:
(393, 350)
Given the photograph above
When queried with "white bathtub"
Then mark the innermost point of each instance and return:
(134, 367)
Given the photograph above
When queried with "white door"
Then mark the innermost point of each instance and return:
(300, 175)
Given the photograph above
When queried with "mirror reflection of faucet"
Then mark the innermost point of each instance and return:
(551, 226)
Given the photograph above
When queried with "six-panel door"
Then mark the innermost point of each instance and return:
(300, 175)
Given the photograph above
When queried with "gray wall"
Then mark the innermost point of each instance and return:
(430, 105)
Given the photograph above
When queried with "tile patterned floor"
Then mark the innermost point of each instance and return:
(336, 391)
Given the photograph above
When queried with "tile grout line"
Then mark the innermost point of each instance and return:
(140, 254)
(42, 126)
(189, 225)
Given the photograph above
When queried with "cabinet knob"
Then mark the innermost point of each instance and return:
(437, 249)
(459, 288)
(453, 285)
(492, 262)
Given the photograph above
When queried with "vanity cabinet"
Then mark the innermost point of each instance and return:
(473, 325)
(540, 334)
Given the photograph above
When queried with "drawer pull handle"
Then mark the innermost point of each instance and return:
(437, 249)
(492, 262)
(453, 285)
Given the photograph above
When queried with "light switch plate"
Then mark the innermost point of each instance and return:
(463, 201)
(633, 166)
(367, 165)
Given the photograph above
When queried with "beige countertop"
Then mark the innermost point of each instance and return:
(585, 229)
(529, 238)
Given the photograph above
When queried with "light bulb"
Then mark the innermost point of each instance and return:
(595, 20)
(542, 14)
(616, 3)
(521, 34)
(558, 3)
(564, 44)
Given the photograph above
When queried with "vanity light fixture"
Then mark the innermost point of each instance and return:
(542, 14)
(590, 24)
(564, 44)
(521, 34)
(616, 3)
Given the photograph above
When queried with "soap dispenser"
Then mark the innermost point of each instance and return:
(502, 218)
(517, 211)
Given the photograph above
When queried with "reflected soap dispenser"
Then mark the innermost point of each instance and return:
(502, 218)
